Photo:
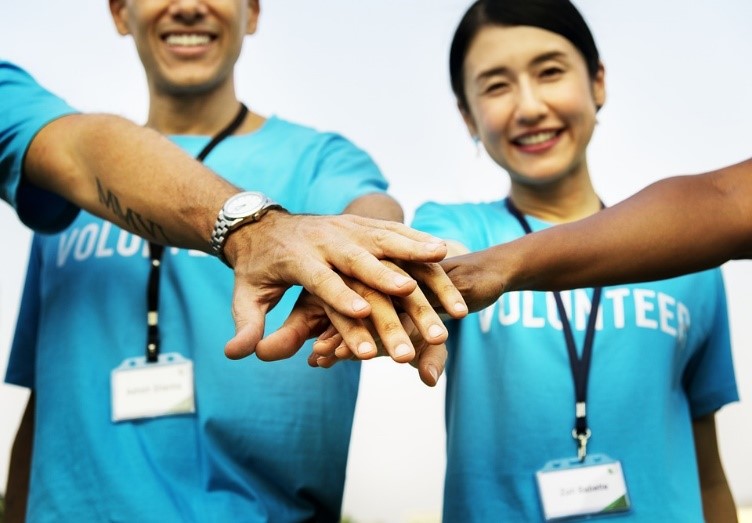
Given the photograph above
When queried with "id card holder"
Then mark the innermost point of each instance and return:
(570, 489)
(149, 390)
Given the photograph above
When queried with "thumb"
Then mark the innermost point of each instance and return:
(282, 344)
(245, 340)
(306, 320)
(249, 315)
(431, 363)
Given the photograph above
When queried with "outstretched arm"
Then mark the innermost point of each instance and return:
(129, 175)
(675, 226)
(141, 181)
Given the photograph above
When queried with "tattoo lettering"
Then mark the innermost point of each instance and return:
(132, 219)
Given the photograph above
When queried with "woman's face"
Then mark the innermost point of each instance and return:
(531, 102)
(186, 46)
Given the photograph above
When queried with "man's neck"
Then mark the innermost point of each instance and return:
(203, 114)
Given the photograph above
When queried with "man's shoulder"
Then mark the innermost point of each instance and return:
(278, 124)
(307, 135)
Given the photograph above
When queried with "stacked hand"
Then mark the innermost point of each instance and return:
(333, 257)
(404, 327)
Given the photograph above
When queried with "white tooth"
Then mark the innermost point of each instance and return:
(187, 40)
(537, 138)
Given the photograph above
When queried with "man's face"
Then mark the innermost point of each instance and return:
(186, 46)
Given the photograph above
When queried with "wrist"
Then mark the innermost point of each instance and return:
(239, 211)
(240, 243)
(514, 265)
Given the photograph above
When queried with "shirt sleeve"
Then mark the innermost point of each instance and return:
(22, 361)
(440, 220)
(709, 377)
(25, 108)
(342, 173)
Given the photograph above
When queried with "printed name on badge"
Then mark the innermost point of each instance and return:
(149, 390)
(569, 488)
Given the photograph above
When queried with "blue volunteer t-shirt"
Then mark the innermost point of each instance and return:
(25, 108)
(268, 442)
(661, 357)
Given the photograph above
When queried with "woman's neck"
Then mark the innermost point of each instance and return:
(570, 199)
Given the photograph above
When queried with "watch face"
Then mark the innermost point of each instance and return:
(243, 204)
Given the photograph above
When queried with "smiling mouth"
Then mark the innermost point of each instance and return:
(188, 39)
(536, 138)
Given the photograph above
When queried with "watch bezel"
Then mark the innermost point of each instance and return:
(261, 200)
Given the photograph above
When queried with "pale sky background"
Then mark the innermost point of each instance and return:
(679, 82)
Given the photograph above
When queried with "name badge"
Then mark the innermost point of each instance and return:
(569, 488)
(150, 390)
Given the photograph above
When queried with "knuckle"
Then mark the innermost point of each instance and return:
(369, 294)
(390, 327)
(423, 310)
(435, 270)
(382, 236)
(321, 278)
(356, 257)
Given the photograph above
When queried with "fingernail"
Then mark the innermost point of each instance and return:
(321, 361)
(435, 331)
(401, 280)
(460, 307)
(365, 348)
(434, 373)
(359, 304)
(401, 350)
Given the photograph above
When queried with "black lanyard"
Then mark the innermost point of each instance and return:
(156, 251)
(580, 366)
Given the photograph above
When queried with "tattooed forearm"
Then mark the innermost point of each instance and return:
(129, 218)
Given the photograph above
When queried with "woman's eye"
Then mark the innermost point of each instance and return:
(551, 72)
(495, 87)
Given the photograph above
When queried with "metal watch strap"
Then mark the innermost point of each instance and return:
(219, 236)
(223, 228)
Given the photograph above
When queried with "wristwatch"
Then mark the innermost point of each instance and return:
(240, 209)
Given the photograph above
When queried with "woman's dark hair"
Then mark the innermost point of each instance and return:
(558, 16)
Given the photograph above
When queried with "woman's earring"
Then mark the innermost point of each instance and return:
(476, 141)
